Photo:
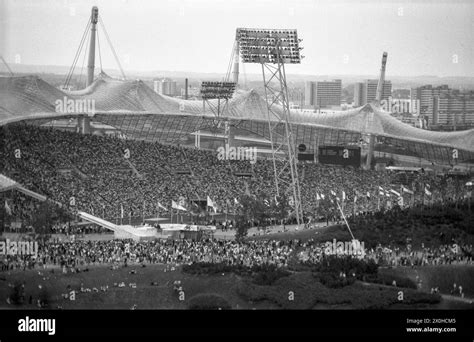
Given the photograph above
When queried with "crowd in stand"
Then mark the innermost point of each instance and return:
(112, 178)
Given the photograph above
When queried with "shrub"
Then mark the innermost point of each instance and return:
(268, 275)
(347, 265)
(208, 301)
(387, 279)
(417, 297)
(17, 296)
(265, 274)
(44, 298)
(333, 280)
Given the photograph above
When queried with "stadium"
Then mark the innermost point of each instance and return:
(133, 180)
(141, 114)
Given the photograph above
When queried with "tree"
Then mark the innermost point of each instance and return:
(3, 217)
(242, 228)
(281, 207)
(62, 214)
(42, 220)
(253, 209)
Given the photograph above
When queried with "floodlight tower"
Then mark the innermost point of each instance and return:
(273, 49)
(220, 91)
(91, 60)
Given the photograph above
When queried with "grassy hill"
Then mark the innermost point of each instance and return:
(239, 292)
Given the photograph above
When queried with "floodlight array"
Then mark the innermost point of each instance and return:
(217, 90)
(265, 46)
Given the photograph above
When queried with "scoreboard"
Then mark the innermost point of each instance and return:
(339, 155)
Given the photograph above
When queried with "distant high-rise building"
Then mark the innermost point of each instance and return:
(165, 87)
(365, 92)
(371, 92)
(443, 106)
(360, 94)
(323, 94)
(309, 94)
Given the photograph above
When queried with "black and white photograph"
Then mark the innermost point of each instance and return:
(198, 166)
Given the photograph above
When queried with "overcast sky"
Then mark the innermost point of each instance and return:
(339, 37)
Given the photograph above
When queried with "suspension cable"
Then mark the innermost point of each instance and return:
(100, 56)
(111, 46)
(76, 57)
(229, 67)
(84, 59)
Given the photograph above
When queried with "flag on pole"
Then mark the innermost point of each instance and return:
(395, 192)
(400, 201)
(322, 196)
(211, 204)
(162, 206)
(235, 201)
(175, 205)
(333, 193)
(317, 197)
(7, 208)
(427, 189)
(368, 194)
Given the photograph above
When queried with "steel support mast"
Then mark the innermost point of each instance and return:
(91, 60)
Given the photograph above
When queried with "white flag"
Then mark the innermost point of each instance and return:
(395, 192)
(7, 208)
(408, 191)
(175, 205)
(211, 204)
(162, 206)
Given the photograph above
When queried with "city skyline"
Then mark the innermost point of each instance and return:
(339, 38)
